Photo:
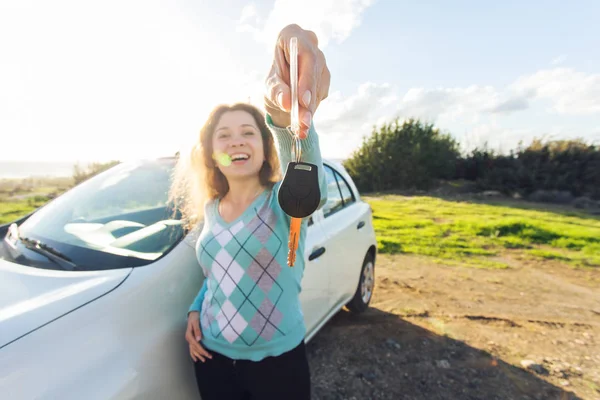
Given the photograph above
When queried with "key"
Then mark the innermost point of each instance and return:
(295, 225)
(298, 196)
(299, 193)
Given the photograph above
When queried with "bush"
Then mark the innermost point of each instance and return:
(81, 174)
(414, 155)
(543, 171)
(585, 202)
(551, 196)
(403, 155)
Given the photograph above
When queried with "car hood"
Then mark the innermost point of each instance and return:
(32, 297)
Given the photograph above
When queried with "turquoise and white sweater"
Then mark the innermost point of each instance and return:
(249, 304)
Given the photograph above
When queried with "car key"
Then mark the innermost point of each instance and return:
(299, 193)
(295, 226)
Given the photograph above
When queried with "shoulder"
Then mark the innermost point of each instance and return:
(276, 185)
(273, 203)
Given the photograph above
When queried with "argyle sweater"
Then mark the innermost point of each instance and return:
(249, 303)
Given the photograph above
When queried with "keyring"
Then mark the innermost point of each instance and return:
(294, 128)
(297, 148)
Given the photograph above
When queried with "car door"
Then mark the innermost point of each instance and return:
(315, 294)
(342, 223)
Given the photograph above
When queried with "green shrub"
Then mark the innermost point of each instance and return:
(403, 155)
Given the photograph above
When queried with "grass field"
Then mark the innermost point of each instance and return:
(448, 231)
(11, 210)
(19, 197)
(481, 235)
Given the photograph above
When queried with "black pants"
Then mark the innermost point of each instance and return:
(284, 377)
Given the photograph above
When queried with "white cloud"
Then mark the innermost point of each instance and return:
(365, 103)
(108, 80)
(559, 60)
(342, 122)
(511, 105)
(329, 19)
(475, 115)
(570, 91)
(451, 103)
(249, 12)
(249, 20)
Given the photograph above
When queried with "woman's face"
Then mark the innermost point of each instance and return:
(237, 145)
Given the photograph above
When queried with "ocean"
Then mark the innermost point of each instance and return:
(27, 169)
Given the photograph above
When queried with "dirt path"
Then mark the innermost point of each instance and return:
(438, 332)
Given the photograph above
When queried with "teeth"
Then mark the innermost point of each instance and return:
(236, 157)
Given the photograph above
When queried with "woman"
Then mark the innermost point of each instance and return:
(246, 328)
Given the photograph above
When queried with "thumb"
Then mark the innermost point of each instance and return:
(279, 94)
(196, 330)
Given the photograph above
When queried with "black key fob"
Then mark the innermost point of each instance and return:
(299, 193)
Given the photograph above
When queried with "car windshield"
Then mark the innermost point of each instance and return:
(117, 219)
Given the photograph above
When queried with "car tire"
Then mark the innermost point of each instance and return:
(366, 284)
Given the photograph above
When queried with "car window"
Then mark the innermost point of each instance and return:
(347, 195)
(334, 197)
(119, 218)
(130, 190)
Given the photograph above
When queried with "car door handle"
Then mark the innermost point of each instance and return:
(316, 253)
(360, 224)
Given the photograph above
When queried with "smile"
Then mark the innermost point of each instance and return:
(239, 158)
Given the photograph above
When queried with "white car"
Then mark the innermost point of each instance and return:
(95, 286)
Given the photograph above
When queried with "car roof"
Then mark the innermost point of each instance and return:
(331, 161)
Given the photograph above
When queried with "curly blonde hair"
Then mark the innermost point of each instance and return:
(196, 178)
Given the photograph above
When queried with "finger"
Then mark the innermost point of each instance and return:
(305, 121)
(310, 60)
(196, 330)
(308, 65)
(202, 353)
(196, 346)
(192, 355)
(189, 336)
(198, 356)
(189, 333)
(323, 86)
(279, 93)
(205, 353)
(322, 92)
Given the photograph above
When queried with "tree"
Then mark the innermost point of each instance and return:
(403, 155)
(81, 173)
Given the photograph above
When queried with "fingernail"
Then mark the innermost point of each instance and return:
(198, 338)
(306, 118)
(280, 99)
(306, 98)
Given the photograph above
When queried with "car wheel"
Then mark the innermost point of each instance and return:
(366, 284)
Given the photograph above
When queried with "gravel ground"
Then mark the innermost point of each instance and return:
(438, 332)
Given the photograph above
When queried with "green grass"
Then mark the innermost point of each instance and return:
(14, 209)
(477, 235)
(18, 197)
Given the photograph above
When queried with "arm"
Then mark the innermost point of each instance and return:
(197, 303)
(193, 333)
(311, 152)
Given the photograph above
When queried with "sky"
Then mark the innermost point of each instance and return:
(127, 79)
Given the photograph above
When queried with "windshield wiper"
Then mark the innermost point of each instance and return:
(49, 252)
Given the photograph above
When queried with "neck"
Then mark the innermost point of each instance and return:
(243, 191)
